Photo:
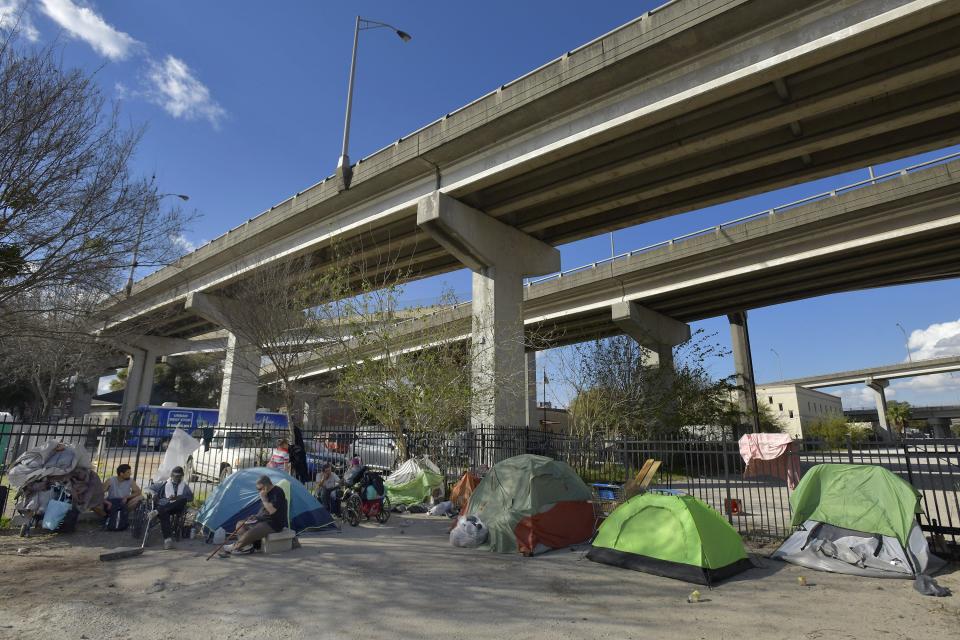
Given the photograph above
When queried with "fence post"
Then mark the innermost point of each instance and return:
(728, 507)
(906, 457)
(136, 460)
(849, 449)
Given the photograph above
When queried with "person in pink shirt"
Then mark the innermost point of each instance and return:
(280, 458)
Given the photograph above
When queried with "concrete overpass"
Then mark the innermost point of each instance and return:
(698, 102)
(877, 379)
(887, 372)
(905, 228)
(939, 419)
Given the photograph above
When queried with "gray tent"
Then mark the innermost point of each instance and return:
(860, 520)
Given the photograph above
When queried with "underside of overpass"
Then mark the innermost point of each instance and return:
(698, 134)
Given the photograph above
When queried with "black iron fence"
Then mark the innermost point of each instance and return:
(709, 468)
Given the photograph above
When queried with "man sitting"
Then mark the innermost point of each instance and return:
(172, 497)
(271, 518)
(121, 493)
(328, 484)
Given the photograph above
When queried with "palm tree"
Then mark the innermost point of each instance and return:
(898, 414)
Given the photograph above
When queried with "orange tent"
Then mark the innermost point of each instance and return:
(461, 492)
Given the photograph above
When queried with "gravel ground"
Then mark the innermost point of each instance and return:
(403, 580)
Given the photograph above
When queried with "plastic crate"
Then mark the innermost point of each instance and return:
(604, 491)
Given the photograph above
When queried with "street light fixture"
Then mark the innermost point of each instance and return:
(136, 246)
(779, 362)
(906, 342)
(343, 165)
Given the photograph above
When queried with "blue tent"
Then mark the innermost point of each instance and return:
(236, 498)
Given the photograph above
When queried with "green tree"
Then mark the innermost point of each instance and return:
(898, 415)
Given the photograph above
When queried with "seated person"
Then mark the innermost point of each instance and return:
(280, 458)
(328, 484)
(172, 497)
(354, 473)
(121, 492)
(271, 518)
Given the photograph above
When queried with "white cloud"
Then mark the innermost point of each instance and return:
(183, 242)
(933, 382)
(15, 17)
(173, 86)
(857, 396)
(85, 24)
(936, 341)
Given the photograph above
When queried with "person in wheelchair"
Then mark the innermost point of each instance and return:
(364, 495)
(171, 497)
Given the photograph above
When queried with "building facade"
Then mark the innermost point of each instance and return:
(798, 407)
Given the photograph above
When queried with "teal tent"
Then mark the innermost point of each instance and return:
(237, 498)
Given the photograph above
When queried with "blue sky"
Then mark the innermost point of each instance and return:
(243, 106)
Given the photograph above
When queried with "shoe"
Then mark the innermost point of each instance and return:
(168, 544)
(228, 548)
(245, 550)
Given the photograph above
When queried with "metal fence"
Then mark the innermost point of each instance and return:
(709, 468)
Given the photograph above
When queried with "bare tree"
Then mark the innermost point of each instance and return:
(618, 392)
(282, 312)
(70, 209)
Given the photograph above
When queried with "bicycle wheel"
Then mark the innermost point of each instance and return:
(351, 510)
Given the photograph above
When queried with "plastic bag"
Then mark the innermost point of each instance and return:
(443, 509)
(219, 536)
(54, 514)
(470, 532)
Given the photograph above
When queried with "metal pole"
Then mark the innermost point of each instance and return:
(344, 158)
(906, 342)
(613, 252)
(779, 362)
(726, 477)
(136, 253)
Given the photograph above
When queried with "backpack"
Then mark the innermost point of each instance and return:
(119, 519)
(374, 480)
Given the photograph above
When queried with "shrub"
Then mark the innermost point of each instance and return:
(833, 431)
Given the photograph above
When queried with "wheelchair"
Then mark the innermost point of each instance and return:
(359, 501)
(139, 520)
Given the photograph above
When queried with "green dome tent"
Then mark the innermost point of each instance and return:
(532, 504)
(857, 519)
(675, 536)
(413, 482)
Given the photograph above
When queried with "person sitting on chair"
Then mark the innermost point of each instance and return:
(172, 498)
(328, 484)
(271, 518)
(121, 492)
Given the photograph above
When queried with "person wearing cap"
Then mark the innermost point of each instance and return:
(271, 518)
(328, 484)
(172, 497)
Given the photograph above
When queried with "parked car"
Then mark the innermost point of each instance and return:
(227, 451)
(376, 449)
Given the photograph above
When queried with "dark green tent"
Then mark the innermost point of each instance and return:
(675, 536)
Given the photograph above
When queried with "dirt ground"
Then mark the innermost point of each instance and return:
(403, 580)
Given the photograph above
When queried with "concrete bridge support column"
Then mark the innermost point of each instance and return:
(140, 363)
(653, 331)
(880, 397)
(743, 364)
(143, 353)
(500, 257)
(241, 371)
(241, 367)
(82, 397)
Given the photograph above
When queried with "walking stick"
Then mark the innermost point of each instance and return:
(246, 522)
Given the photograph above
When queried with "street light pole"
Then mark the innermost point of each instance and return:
(136, 246)
(906, 342)
(344, 171)
(779, 362)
